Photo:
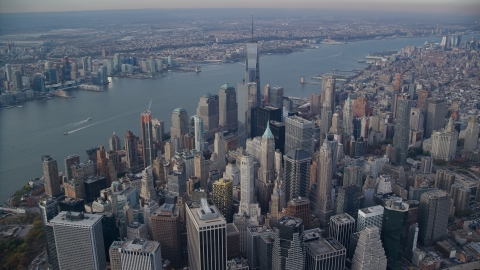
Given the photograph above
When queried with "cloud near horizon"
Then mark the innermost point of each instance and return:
(428, 6)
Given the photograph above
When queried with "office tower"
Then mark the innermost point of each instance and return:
(17, 80)
(342, 226)
(147, 190)
(204, 251)
(166, 228)
(93, 186)
(323, 253)
(89, 63)
(180, 123)
(296, 174)
(252, 64)
(149, 207)
(233, 242)
(393, 231)
(248, 101)
(328, 93)
(278, 131)
(199, 141)
(254, 239)
(247, 189)
(114, 143)
(275, 96)
(288, 251)
(110, 231)
(352, 175)
(8, 70)
(52, 180)
(131, 142)
(137, 230)
(369, 253)
(232, 172)
(158, 129)
(299, 134)
(220, 148)
(300, 208)
(48, 210)
(208, 110)
(436, 111)
(326, 158)
(460, 196)
(201, 171)
(416, 119)
(471, 134)
(147, 139)
(400, 140)
(348, 117)
(266, 172)
(222, 196)
(141, 254)
(348, 200)
(69, 161)
(370, 216)
(360, 107)
(79, 240)
(326, 118)
(315, 104)
(433, 217)
(444, 180)
(264, 114)
(444, 142)
(228, 108)
(116, 62)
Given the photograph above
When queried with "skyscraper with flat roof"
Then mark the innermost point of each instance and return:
(254, 241)
(433, 217)
(166, 228)
(436, 111)
(147, 138)
(204, 251)
(180, 123)
(141, 254)
(69, 161)
(52, 180)
(222, 196)
(323, 253)
(288, 251)
(393, 231)
(296, 174)
(248, 101)
(79, 241)
(199, 133)
(370, 216)
(275, 96)
(131, 142)
(299, 134)
(342, 227)
(48, 210)
(402, 131)
(471, 134)
(208, 110)
(228, 108)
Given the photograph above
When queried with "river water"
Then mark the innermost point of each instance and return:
(37, 128)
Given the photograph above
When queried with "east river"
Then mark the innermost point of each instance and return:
(38, 127)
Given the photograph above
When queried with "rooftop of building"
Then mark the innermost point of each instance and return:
(377, 209)
(92, 179)
(342, 218)
(397, 204)
(259, 229)
(298, 201)
(140, 245)
(323, 245)
(298, 154)
(236, 263)
(135, 225)
(76, 218)
(435, 194)
(205, 212)
(290, 221)
(166, 210)
(71, 201)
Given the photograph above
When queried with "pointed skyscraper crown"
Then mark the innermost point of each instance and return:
(268, 133)
(450, 127)
(348, 98)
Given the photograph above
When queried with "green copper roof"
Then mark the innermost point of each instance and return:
(268, 133)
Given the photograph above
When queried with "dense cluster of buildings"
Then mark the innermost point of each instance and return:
(253, 182)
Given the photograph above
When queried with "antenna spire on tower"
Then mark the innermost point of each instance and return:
(252, 25)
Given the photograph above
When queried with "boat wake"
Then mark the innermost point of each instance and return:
(78, 129)
(76, 124)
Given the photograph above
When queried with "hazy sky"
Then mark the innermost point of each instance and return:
(431, 6)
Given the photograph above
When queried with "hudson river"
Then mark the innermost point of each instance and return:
(38, 127)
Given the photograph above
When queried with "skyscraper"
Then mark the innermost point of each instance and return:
(254, 239)
(158, 129)
(328, 93)
(166, 228)
(300, 208)
(348, 117)
(248, 206)
(370, 216)
(275, 96)
(436, 111)
(114, 143)
(326, 118)
(248, 101)
(8, 70)
(348, 200)
(433, 217)
(79, 241)
(402, 131)
(52, 180)
(48, 210)
(208, 110)
(131, 142)
(471, 134)
(180, 123)
(69, 161)
(288, 251)
(228, 108)
(141, 254)
(222, 192)
(299, 134)
(264, 114)
(342, 226)
(444, 142)
(204, 251)
(147, 138)
(252, 63)
(326, 162)
(296, 174)
(369, 253)
(199, 133)
(323, 253)
(393, 231)
(266, 172)
(147, 188)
